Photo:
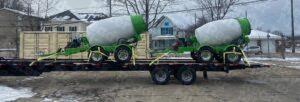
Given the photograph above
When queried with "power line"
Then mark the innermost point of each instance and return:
(185, 10)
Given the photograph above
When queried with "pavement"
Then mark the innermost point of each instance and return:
(279, 83)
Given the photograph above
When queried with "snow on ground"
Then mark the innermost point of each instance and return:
(273, 59)
(11, 94)
(295, 67)
(32, 78)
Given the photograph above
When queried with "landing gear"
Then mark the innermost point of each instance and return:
(194, 55)
(98, 54)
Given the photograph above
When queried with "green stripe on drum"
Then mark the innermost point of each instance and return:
(245, 25)
(138, 24)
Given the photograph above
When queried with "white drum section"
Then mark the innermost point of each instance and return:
(109, 31)
(218, 32)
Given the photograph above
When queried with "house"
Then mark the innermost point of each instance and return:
(69, 21)
(13, 22)
(266, 41)
(168, 27)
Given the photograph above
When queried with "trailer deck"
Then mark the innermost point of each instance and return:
(19, 67)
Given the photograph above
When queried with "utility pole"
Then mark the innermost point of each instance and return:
(268, 36)
(246, 14)
(292, 23)
(147, 13)
(109, 3)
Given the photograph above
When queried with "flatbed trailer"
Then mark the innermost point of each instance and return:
(182, 69)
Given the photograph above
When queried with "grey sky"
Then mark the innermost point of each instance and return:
(271, 15)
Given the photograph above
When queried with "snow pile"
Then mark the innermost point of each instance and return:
(256, 34)
(10, 94)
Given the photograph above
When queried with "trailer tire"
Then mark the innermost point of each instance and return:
(233, 58)
(97, 57)
(186, 76)
(160, 75)
(123, 54)
(205, 55)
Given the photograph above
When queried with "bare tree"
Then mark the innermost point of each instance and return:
(199, 22)
(28, 6)
(12, 4)
(216, 9)
(145, 7)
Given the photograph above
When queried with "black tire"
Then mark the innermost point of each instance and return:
(186, 76)
(233, 58)
(97, 57)
(205, 55)
(123, 54)
(160, 75)
(194, 55)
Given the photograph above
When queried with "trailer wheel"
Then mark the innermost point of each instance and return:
(160, 75)
(123, 54)
(186, 76)
(205, 55)
(233, 58)
(96, 56)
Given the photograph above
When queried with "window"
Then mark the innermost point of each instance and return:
(73, 29)
(167, 31)
(258, 42)
(48, 28)
(61, 29)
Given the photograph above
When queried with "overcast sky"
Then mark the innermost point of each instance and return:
(270, 15)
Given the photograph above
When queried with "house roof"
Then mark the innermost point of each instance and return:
(91, 16)
(70, 15)
(66, 15)
(181, 20)
(256, 34)
(19, 12)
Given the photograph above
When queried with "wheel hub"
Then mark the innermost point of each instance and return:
(206, 55)
(123, 54)
(232, 57)
(97, 56)
(187, 75)
(161, 76)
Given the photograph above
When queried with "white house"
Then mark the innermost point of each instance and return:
(266, 41)
(168, 27)
(69, 21)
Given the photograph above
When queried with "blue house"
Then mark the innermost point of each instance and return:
(168, 28)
